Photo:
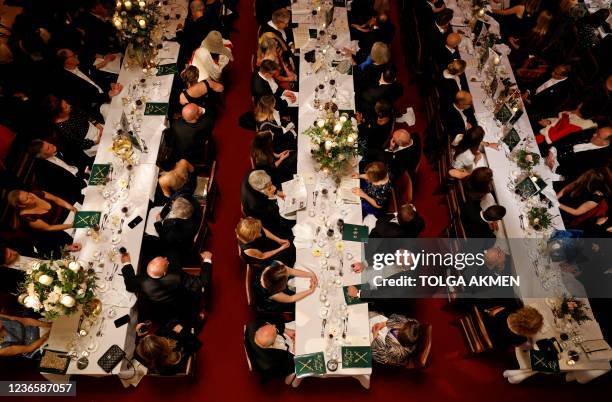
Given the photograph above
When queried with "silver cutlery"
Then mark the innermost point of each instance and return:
(121, 225)
(323, 327)
(99, 333)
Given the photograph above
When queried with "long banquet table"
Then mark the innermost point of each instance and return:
(536, 288)
(308, 321)
(141, 183)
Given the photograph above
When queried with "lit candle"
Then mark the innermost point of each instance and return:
(338, 127)
(142, 4)
(128, 4)
(142, 23)
(328, 145)
(119, 4)
(481, 12)
(321, 123)
(118, 22)
(350, 139)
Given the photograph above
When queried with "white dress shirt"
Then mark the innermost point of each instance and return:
(465, 122)
(82, 76)
(57, 161)
(450, 76)
(548, 84)
(271, 82)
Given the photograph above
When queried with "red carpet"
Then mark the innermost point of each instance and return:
(222, 374)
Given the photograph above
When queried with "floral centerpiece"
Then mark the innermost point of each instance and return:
(334, 141)
(539, 218)
(57, 288)
(571, 309)
(525, 159)
(135, 21)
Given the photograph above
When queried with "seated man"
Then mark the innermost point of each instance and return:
(449, 51)
(387, 88)
(393, 338)
(441, 29)
(191, 132)
(165, 290)
(263, 83)
(406, 223)
(404, 153)
(279, 25)
(548, 98)
(478, 223)
(178, 224)
(54, 175)
(271, 348)
(459, 117)
(196, 28)
(265, 8)
(512, 328)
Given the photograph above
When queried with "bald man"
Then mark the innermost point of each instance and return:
(404, 153)
(449, 51)
(459, 117)
(165, 291)
(190, 133)
(270, 349)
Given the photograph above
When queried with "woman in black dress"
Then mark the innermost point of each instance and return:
(280, 166)
(582, 195)
(272, 288)
(378, 129)
(267, 118)
(258, 246)
(202, 93)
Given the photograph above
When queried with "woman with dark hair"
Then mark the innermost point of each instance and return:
(268, 118)
(583, 195)
(518, 19)
(273, 290)
(377, 130)
(199, 92)
(467, 153)
(280, 166)
(394, 339)
(479, 183)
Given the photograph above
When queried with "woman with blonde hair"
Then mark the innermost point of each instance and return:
(375, 189)
(196, 91)
(274, 290)
(173, 181)
(371, 69)
(267, 118)
(258, 246)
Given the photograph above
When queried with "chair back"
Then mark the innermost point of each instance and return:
(248, 285)
(246, 353)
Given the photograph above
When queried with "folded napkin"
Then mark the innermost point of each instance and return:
(304, 235)
(408, 117)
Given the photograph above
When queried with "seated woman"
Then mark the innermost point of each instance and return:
(268, 118)
(258, 246)
(44, 214)
(508, 328)
(479, 183)
(272, 288)
(167, 351)
(212, 56)
(281, 167)
(375, 189)
(517, 20)
(21, 336)
(369, 71)
(177, 180)
(258, 196)
(270, 48)
(467, 155)
(377, 131)
(77, 130)
(199, 92)
(453, 81)
(583, 195)
(394, 339)
(535, 42)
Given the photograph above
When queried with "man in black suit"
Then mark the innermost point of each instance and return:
(576, 153)
(54, 175)
(279, 25)
(448, 51)
(441, 29)
(478, 223)
(78, 88)
(265, 8)
(377, 29)
(404, 153)
(270, 349)
(263, 83)
(388, 88)
(459, 116)
(197, 27)
(427, 10)
(191, 132)
(405, 224)
(178, 224)
(549, 97)
(165, 290)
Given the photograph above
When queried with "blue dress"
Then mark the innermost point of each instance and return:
(17, 334)
(379, 193)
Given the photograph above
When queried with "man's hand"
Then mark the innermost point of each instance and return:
(206, 255)
(74, 247)
(290, 95)
(550, 160)
(115, 90)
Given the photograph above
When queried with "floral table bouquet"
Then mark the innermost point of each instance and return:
(571, 309)
(539, 218)
(526, 160)
(57, 288)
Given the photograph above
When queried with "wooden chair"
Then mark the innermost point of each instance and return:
(212, 193)
(474, 332)
(189, 370)
(404, 190)
(423, 350)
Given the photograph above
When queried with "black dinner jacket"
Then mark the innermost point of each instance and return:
(386, 229)
(444, 56)
(573, 164)
(474, 225)
(99, 37)
(437, 38)
(405, 160)
(549, 101)
(454, 124)
(167, 290)
(369, 97)
(260, 87)
(288, 32)
(79, 92)
(265, 8)
(188, 138)
(448, 88)
(58, 181)
(272, 362)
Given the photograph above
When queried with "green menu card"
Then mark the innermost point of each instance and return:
(99, 173)
(167, 69)
(86, 219)
(356, 357)
(349, 299)
(156, 109)
(310, 364)
(355, 233)
(540, 361)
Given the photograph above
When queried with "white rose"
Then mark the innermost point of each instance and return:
(321, 123)
(338, 127)
(74, 266)
(32, 302)
(53, 297)
(81, 292)
(45, 280)
(68, 301)
(57, 289)
(343, 119)
(328, 145)
(536, 220)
